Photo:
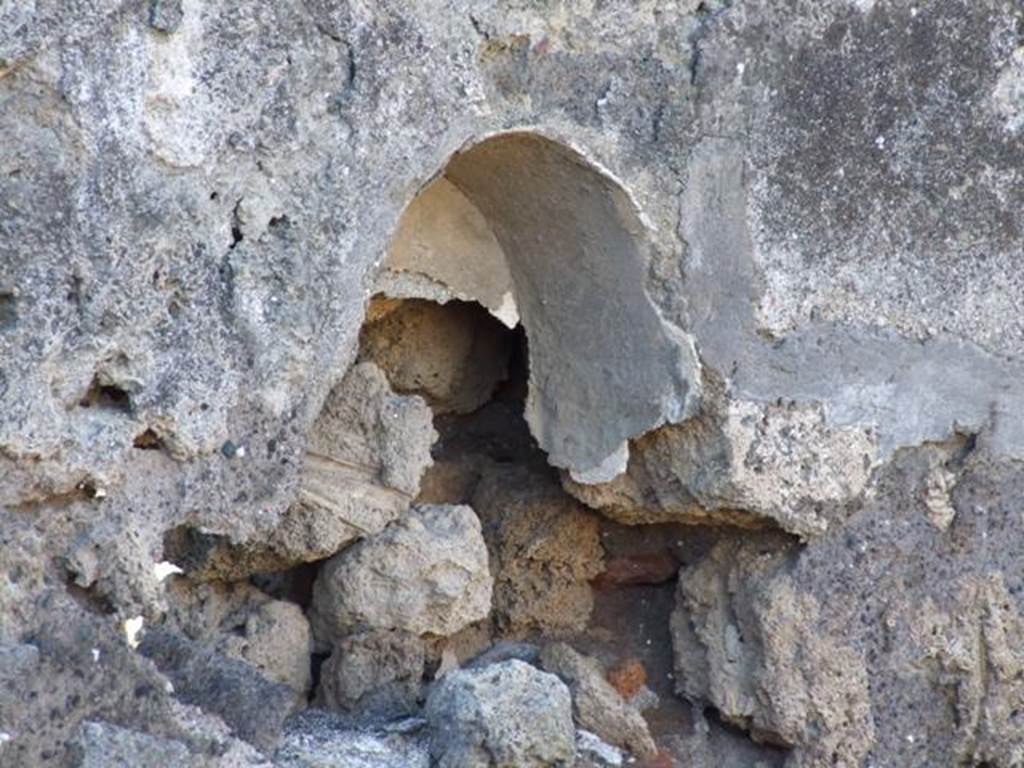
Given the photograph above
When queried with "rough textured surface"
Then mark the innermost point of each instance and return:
(67, 668)
(977, 653)
(100, 745)
(767, 257)
(254, 707)
(366, 453)
(451, 354)
(709, 744)
(741, 463)
(627, 677)
(503, 715)
(316, 739)
(544, 547)
(876, 590)
(591, 752)
(424, 574)
(242, 622)
(746, 642)
(597, 706)
(374, 674)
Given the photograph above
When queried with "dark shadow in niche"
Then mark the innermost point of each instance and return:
(148, 440)
(728, 739)
(605, 367)
(88, 597)
(106, 397)
(8, 311)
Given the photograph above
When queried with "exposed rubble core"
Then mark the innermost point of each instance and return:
(426, 574)
(544, 549)
(450, 384)
(483, 232)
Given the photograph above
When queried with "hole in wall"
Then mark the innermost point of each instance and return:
(612, 600)
(187, 547)
(512, 301)
(472, 370)
(454, 355)
(526, 250)
(740, 742)
(148, 440)
(8, 311)
(237, 235)
(294, 584)
(106, 397)
(89, 598)
(539, 235)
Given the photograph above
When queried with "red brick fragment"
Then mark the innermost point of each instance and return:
(627, 677)
(641, 568)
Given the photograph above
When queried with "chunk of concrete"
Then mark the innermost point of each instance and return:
(741, 463)
(426, 573)
(505, 715)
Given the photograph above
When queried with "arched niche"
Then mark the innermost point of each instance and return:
(530, 229)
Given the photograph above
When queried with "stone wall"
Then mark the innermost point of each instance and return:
(741, 406)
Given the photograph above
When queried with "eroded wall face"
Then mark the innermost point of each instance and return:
(766, 258)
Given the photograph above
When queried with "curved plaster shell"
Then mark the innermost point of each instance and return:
(531, 229)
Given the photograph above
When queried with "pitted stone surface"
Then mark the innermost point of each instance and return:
(244, 623)
(373, 675)
(544, 548)
(746, 642)
(502, 715)
(451, 355)
(780, 242)
(366, 453)
(426, 573)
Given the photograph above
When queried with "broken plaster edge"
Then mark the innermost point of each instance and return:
(397, 283)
